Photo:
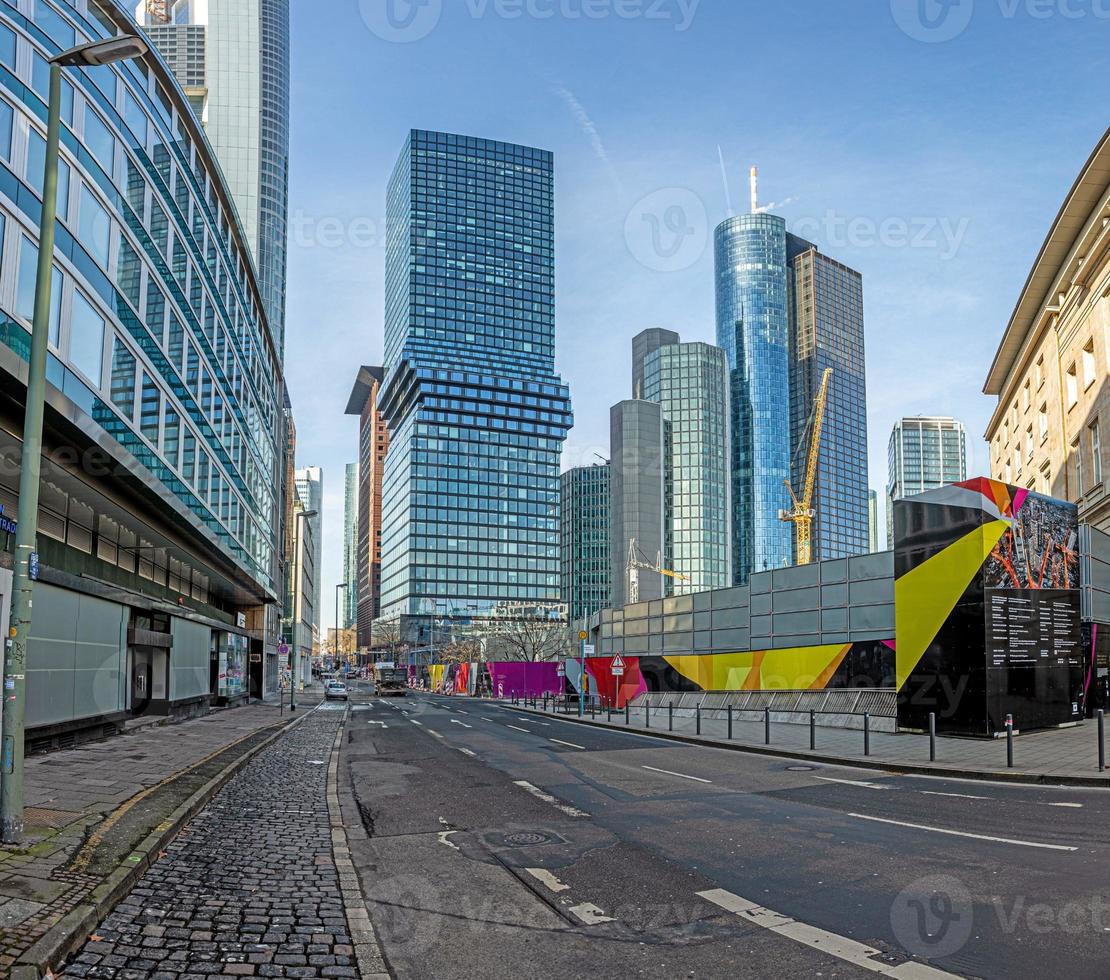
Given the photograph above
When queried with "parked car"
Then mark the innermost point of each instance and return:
(335, 691)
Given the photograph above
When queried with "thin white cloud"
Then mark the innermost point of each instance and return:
(589, 128)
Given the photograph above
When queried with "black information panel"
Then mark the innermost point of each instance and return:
(1033, 627)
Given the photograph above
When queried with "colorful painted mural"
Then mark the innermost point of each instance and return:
(986, 593)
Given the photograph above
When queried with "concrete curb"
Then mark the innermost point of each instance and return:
(951, 772)
(71, 932)
(368, 954)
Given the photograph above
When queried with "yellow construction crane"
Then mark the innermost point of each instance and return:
(802, 513)
(636, 562)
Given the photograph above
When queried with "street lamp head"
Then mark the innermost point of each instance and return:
(102, 52)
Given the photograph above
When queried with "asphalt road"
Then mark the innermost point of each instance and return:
(505, 845)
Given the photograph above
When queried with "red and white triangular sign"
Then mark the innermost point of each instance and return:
(617, 666)
(618, 661)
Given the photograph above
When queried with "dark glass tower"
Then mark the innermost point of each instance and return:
(827, 332)
(753, 327)
(477, 414)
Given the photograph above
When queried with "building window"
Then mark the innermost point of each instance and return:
(1038, 373)
(1042, 421)
(1029, 442)
(1077, 449)
(1071, 384)
(1096, 453)
(1025, 397)
(35, 171)
(86, 339)
(25, 289)
(95, 228)
(123, 380)
(1088, 364)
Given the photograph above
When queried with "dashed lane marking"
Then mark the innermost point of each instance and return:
(548, 880)
(539, 794)
(569, 745)
(680, 775)
(515, 729)
(828, 943)
(852, 782)
(473, 755)
(964, 833)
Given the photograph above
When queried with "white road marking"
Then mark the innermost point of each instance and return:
(829, 943)
(590, 915)
(436, 734)
(461, 712)
(963, 833)
(570, 745)
(455, 721)
(680, 775)
(473, 755)
(382, 723)
(445, 839)
(415, 722)
(852, 782)
(1073, 806)
(539, 794)
(515, 729)
(547, 879)
(958, 796)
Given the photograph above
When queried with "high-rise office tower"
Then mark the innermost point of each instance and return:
(635, 496)
(584, 541)
(690, 383)
(872, 521)
(310, 492)
(827, 332)
(373, 444)
(924, 453)
(476, 412)
(231, 57)
(350, 546)
(753, 328)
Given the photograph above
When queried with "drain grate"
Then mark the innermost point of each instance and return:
(529, 838)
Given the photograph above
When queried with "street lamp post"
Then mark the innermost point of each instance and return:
(15, 648)
(298, 544)
(341, 585)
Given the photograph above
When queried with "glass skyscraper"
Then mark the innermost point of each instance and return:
(753, 328)
(477, 414)
(924, 453)
(827, 332)
(584, 541)
(690, 383)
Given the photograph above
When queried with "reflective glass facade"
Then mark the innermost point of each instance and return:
(584, 541)
(690, 383)
(827, 332)
(753, 328)
(477, 414)
(158, 341)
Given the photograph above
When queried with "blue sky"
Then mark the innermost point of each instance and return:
(926, 143)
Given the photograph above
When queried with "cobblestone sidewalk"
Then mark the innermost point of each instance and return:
(249, 888)
(88, 807)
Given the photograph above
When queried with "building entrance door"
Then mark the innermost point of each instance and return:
(142, 679)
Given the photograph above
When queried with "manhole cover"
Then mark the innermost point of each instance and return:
(801, 768)
(528, 839)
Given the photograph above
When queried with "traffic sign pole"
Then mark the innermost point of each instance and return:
(582, 680)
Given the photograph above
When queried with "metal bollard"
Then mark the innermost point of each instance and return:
(697, 715)
(932, 736)
(812, 729)
(1101, 740)
(627, 714)
(767, 726)
(867, 733)
(1009, 741)
(647, 716)
(670, 717)
(730, 722)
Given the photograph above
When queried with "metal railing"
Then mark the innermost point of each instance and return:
(877, 702)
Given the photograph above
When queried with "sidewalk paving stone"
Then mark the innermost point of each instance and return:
(70, 793)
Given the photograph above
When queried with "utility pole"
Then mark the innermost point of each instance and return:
(15, 646)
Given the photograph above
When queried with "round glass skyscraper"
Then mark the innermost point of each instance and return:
(753, 327)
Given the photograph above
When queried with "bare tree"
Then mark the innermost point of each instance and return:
(385, 635)
(461, 651)
(532, 640)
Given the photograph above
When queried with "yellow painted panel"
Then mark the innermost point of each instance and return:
(925, 597)
(797, 668)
